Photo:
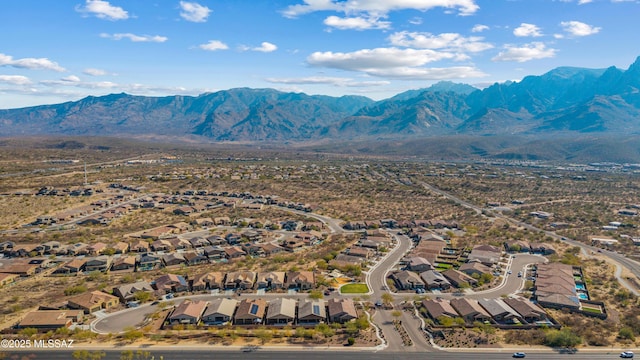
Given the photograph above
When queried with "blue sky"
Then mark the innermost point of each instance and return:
(63, 50)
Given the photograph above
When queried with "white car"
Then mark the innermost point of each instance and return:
(626, 354)
(519, 355)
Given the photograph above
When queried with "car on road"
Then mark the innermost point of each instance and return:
(518, 355)
(520, 274)
(509, 272)
(626, 354)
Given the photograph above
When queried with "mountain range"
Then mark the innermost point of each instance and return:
(562, 102)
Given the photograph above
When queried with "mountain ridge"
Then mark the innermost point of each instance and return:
(565, 100)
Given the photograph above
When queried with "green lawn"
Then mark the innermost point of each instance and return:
(354, 289)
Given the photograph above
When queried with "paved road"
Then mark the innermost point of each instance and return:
(612, 257)
(262, 354)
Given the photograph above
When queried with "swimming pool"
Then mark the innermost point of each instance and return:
(583, 296)
(580, 287)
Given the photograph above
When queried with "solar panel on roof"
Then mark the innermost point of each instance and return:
(254, 309)
(316, 309)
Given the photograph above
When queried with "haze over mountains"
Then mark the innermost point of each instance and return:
(563, 102)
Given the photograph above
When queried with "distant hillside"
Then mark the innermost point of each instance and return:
(566, 101)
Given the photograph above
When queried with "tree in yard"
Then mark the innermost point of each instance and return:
(352, 328)
(626, 333)
(264, 335)
(142, 296)
(562, 338)
(396, 314)
(387, 299)
(132, 334)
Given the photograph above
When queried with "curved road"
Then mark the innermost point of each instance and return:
(614, 258)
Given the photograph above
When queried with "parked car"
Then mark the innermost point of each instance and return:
(519, 355)
(626, 354)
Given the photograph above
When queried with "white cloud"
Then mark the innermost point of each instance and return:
(356, 23)
(94, 72)
(445, 41)
(30, 63)
(265, 47)
(71, 79)
(577, 28)
(364, 59)
(135, 38)
(479, 28)
(103, 10)
(194, 12)
(327, 80)
(582, 2)
(15, 79)
(214, 45)
(415, 20)
(421, 73)
(527, 30)
(533, 51)
(393, 63)
(378, 7)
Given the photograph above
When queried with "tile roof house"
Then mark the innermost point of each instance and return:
(171, 283)
(434, 280)
(406, 280)
(120, 247)
(419, 264)
(98, 263)
(71, 267)
(214, 252)
(312, 312)
(270, 280)
(341, 310)
(148, 262)
(459, 279)
(173, 259)
(303, 280)
(209, 280)
(470, 310)
(281, 311)
(179, 243)
(500, 311)
(234, 252)
(162, 245)
(439, 307)
(240, 280)
(360, 251)
(271, 249)
(194, 258)
(555, 286)
(140, 246)
(197, 242)
(50, 319)
(6, 279)
(486, 254)
(91, 302)
(250, 312)
(124, 263)
(529, 311)
(188, 312)
(220, 311)
(474, 267)
(127, 292)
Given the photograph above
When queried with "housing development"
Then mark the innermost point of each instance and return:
(259, 254)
